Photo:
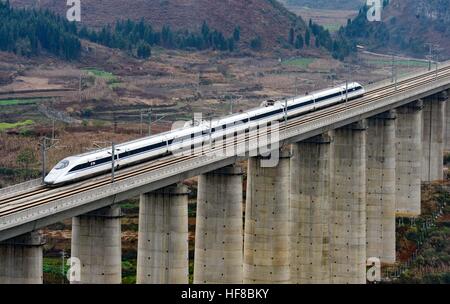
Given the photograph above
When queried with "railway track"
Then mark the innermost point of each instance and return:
(41, 196)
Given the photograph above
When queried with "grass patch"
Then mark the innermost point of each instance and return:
(110, 78)
(54, 265)
(299, 62)
(411, 63)
(101, 74)
(16, 102)
(129, 272)
(332, 27)
(53, 272)
(130, 207)
(6, 125)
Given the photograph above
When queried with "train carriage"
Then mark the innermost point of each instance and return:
(94, 163)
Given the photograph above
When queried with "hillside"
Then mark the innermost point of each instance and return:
(265, 18)
(407, 27)
(327, 4)
(419, 22)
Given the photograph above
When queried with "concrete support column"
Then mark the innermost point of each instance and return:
(446, 94)
(381, 187)
(348, 205)
(219, 232)
(96, 242)
(266, 243)
(163, 248)
(433, 137)
(408, 159)
(21, 259)
(310, 192)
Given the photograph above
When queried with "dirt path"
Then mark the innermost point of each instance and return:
(396, 57)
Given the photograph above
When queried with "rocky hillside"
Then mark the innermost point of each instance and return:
(265, 18)
(408, 26)
(419, 22)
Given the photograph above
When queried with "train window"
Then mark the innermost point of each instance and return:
(62, 164)
(270, 103)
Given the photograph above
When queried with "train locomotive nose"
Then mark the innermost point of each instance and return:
(51, 178)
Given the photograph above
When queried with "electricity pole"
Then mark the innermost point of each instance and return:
(142, 121)
(53, 129)
(79, 89)
(62, 266)
(346, 91)
(114, 151)
(113, 160)
(430, 55)
(44, 148)
(436, 70)
(44, 158)
(392, 68)
(432, 47)
(210, 132)
(285, 111)
(115, 122)
(150, 122)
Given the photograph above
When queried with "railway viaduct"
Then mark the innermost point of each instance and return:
(344, 174)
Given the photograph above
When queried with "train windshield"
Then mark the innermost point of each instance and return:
(62, 164)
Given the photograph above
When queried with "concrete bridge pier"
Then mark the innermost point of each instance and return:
(163, 249)
(348, 205)
(380, 176)
(266, 244)
(96, 242)
(219, 227)
(433, 137)
(408, 159)
(310, 192)
(446, 95)
(21, 259)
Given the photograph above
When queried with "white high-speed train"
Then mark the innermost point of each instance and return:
(94, 163)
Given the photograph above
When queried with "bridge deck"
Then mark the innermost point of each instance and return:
(24, 211)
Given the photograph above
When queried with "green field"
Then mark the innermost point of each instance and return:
(53, 272)
(110, 78)
(299, 62)
(332, 27)
(6, 125)
(14, 102)
(129, 271)
(387, 62)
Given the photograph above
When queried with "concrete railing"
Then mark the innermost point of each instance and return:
(60, 205)
(423, 71)
(364, 111)
(20, 187)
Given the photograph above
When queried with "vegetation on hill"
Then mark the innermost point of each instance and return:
(138, 37)
(425, 242)
(362, 31)
(29, 32)
(328, 4)
(267, 19)
(407, 26)
(339, 45)
(62, 38)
